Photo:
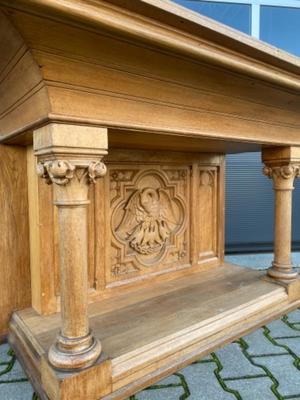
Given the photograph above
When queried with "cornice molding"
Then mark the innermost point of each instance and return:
(199, 38)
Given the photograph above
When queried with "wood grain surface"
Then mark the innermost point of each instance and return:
(14, 227)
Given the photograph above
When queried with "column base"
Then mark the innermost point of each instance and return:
(74, 354)
(284, 273)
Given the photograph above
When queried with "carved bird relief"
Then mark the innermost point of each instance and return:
(148, 221)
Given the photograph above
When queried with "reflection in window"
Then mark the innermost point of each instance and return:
(237, 16)
(280, 26)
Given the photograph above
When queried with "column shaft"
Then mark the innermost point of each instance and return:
(73, 270)
(283, 228)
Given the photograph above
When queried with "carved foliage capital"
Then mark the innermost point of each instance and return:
(57, 171)
(61, 172)
(283, 176)
(96, 170)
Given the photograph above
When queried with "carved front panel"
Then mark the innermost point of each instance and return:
(154, 216)
(149, 219)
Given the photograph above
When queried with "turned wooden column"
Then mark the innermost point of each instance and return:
(69, 157)
(282, 168)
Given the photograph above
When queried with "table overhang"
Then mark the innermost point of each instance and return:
(150, 67)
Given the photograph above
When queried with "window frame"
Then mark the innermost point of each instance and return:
(255, 9)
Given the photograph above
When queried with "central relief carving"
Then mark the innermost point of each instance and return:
(148, 219)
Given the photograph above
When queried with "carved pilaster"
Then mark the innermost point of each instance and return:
(283, 173)
(70, 159)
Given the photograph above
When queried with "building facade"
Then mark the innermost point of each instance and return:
(250, 201)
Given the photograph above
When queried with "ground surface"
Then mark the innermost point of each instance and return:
(264, 365)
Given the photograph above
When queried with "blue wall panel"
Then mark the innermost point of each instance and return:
(250, 206)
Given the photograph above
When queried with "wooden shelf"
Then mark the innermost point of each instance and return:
(153, 331)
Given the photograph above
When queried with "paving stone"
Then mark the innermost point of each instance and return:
(203, 384)
(234, 362)
(16, 391)
(258, 261)
(296, 262)
(16, 373)
(253, 261)
(4, 357)
(253, 389)
(293, 344)
(279, 328)
(294, 316)
(259, 344)
(284, 371)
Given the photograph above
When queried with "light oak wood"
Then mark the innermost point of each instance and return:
(87, 75)
(213, 306)
(23, 94)
(128, 279)
(14, 247)
(43, 255)
(70, 158)
(94, 383)
(201, 230)
(283, 171)
(107, 15)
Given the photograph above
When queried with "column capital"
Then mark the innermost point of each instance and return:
(283, 175)
(61, 172)
(70, 157)
(282, 164)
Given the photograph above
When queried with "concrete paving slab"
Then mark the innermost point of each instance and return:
(253, 389)
(259, 344)
(282, 367)
(234, 363)
(202, 383)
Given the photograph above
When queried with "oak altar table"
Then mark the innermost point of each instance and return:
(116, 117)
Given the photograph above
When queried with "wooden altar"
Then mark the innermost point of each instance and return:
(116, 117)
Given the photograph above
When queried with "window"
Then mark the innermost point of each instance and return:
(276, 22)
(237, 16)
(280, 26)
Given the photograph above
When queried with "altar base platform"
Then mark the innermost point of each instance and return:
(197, 314)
